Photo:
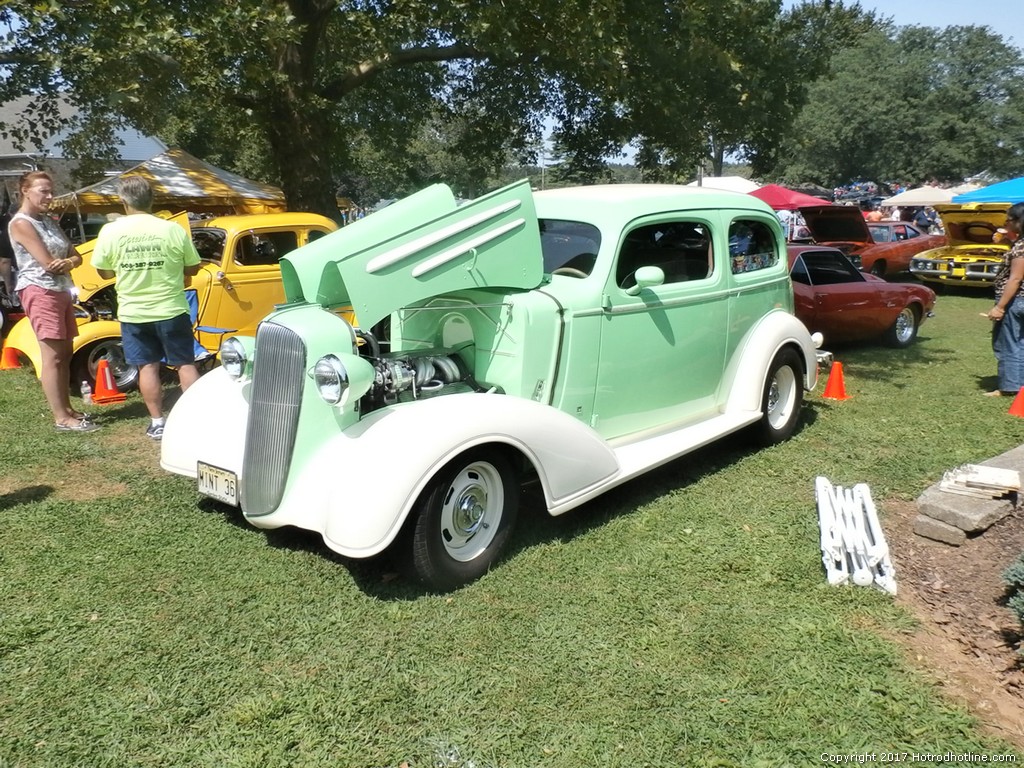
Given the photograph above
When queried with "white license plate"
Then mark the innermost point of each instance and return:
(217, 483)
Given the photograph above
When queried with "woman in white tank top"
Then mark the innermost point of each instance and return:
(45, 259)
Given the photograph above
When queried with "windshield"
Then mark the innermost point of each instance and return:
(570, 246)
(209, 243)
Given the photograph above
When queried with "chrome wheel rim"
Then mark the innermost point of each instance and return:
(124, 375)
(781, 397)
(905, 325)
(471, 511)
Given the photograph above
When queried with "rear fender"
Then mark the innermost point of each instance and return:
(749, 367)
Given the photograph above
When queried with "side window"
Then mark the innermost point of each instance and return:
(799, 272)
(912, 233)
(209, 243)
(752, 246)
(681, 249)
(264, 248)
(314, 234)
(570, 246)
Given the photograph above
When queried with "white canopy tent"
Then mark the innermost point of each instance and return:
(920, 196)
(729, 183)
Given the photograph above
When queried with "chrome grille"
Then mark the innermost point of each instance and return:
(276, 395)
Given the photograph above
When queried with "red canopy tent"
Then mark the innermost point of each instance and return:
(782, 199)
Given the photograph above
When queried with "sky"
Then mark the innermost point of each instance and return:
(1002, 16)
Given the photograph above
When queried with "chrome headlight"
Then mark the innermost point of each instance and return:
(331, 379)
(232, 357)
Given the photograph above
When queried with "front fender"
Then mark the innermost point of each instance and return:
(362, 483)
(749, 366)
(96, 330)
(208, 423)
(23, 339)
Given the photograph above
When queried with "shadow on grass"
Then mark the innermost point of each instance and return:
(27, 495)
(384, 576)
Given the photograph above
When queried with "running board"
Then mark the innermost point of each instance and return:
(644, 455)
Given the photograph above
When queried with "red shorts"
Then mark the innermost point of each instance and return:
(49, 312)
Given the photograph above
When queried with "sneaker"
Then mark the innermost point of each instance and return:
(83, 425)
(155, 432)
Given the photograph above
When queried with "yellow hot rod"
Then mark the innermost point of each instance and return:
(238, 283)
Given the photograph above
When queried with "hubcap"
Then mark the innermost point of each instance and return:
(781, 397)
(472, 510)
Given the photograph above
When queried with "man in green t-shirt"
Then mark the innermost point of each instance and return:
(151, 258)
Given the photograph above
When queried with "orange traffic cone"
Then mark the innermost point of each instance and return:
(1017, 406)
(9, 359)
(106, 390)
(835, 389)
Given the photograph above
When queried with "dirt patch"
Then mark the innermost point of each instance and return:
(968, 639)
(87, 480)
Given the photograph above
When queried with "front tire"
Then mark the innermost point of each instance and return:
(904, 329)
(782, 398)
(87, 360)
(463, 519)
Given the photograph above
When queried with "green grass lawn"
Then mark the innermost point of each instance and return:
(680, 620)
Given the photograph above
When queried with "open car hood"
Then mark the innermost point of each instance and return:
(422, 246)
(972, 224)
(836, 223)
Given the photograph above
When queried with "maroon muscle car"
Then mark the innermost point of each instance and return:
(843, 227)
(833, 297)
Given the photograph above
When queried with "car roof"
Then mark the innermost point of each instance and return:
(618, 203)
(237, 222)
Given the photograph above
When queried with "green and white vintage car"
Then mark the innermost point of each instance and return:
(580, 336)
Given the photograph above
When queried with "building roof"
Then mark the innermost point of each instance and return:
(133, 146)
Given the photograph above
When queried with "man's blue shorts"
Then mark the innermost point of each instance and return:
(161, 341)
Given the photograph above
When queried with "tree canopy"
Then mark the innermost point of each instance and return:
(317, 93)
(912, 104)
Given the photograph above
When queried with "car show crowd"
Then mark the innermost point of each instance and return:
(855, 223)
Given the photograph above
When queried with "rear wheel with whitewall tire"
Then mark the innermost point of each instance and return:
(781, 399)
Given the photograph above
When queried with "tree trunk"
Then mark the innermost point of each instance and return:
(301, 139)
(717, 161)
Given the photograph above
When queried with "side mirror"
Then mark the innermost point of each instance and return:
(646, 277)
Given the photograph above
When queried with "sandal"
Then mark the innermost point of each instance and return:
(79, 416)
(82, 425)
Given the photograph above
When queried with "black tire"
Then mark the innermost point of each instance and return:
(463, 519)
(781, 399)
(87, 359)
(878, 268)
(903, 331)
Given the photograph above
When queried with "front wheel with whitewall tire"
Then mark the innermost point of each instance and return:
(87, 360)
(464, 519)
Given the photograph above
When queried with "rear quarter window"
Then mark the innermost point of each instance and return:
(752, 246)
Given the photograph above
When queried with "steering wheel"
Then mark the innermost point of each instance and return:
(570, 271)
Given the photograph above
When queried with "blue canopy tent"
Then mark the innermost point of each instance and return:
(1011, 191)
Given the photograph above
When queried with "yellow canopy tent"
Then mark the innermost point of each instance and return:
(180, 182)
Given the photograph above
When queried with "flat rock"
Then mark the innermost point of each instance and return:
(967, 513)
(936, 530)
